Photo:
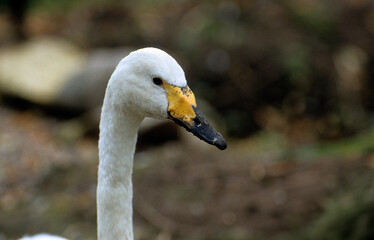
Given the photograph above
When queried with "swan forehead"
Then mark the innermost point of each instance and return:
(157, 63)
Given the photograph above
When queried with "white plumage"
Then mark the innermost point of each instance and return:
(43, 236)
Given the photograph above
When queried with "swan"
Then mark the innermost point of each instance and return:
(146, 83)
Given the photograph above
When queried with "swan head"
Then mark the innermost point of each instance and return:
(151, 83)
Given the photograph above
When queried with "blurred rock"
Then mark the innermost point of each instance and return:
(38, 69)
(55, 72)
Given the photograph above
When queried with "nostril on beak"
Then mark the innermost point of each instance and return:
(197, 121)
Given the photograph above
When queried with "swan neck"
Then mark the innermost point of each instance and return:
(118, 134)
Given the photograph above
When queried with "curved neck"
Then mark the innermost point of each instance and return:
(118, 134)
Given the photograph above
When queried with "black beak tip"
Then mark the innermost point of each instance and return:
(220, 143)
(201, 129)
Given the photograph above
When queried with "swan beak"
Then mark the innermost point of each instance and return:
(182, 109)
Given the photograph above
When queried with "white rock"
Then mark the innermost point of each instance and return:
(36, 70)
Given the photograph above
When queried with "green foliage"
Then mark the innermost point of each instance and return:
(348, 216)
(348, 147)
(296, 62)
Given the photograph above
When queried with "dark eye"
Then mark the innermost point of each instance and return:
(157, 81)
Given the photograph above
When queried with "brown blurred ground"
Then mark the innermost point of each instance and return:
(183, 192)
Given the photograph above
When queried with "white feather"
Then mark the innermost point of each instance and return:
(131, 95)
(43, 236)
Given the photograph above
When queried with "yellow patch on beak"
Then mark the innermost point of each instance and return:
(181, 103)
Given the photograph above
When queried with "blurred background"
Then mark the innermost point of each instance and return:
(288, 83)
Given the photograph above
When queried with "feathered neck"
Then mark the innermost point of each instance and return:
(118, 135)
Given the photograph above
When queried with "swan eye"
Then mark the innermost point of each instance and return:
(158, 81)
